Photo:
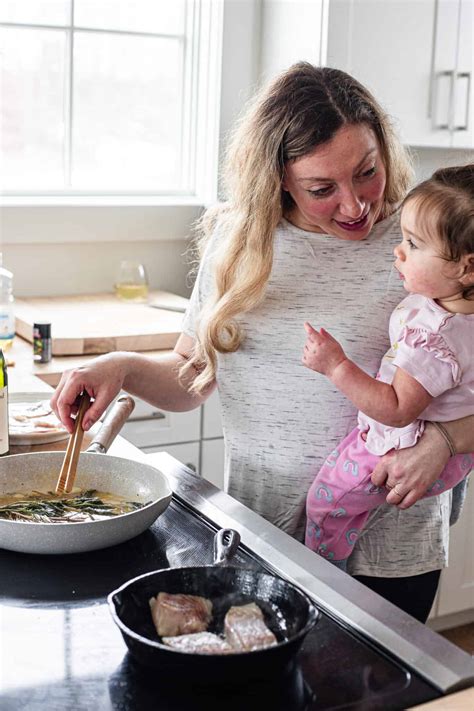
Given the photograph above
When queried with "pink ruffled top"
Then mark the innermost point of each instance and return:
(437, 349)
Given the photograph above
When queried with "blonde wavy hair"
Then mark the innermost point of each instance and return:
(298, 111)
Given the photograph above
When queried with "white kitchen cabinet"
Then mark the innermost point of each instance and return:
(212, 442)
(463, 118)
(456, 591)
(290, 32)
(187, 453)
(194, 437)
(212, 461)
(161, 427)
(416, 56)
(212, 417)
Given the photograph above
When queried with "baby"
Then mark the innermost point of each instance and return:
(427, 375)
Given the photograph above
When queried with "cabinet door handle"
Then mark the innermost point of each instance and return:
(158, 415)
(433, 58)
(438, 76)
(155, 415)
(465, 125)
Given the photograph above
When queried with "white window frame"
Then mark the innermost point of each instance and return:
(200, 142)
(27, 226)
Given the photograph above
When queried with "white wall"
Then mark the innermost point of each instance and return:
(77, 268)
(82, 246)
(427, 160)
(74, 250)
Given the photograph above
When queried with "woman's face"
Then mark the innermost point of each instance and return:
(338, 189)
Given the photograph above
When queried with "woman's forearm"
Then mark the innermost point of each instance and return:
(462, 434)
(157, 381)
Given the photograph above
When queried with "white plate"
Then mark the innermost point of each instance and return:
(34, 437)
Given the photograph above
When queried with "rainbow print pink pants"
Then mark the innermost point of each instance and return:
(342, 496)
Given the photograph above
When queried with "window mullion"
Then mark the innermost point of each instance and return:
(190, 86)
(68, 109)
(189, 144)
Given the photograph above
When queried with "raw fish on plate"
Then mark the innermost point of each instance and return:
(32, 421)
(32, 418)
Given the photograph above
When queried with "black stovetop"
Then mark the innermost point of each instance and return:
(60, 649)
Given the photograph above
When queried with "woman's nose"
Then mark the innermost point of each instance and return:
(352, 206)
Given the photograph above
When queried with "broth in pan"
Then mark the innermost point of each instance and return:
(76, 507)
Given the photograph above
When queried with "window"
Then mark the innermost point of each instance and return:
(109, 98)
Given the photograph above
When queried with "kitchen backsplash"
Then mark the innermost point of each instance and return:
(75, 268)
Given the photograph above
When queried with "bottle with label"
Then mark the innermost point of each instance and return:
(4, 440)
(7, 314)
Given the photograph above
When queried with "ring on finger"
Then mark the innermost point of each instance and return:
(397, 493)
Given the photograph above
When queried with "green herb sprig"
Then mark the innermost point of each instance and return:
(83, 506)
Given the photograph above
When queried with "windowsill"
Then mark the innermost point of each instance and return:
(90, 220)
(100, 200)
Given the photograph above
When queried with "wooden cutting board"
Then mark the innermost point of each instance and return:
(100, 323)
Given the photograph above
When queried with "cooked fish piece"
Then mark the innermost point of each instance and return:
(199, 643)
(180, 614)
(245, 629)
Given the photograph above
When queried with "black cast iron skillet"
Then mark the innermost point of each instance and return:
(288, 612)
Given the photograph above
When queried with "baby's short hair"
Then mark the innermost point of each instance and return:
(445, 204)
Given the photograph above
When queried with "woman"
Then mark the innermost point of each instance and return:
(314, 177)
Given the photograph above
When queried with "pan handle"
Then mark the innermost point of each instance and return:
(112, 424)
(226, 542)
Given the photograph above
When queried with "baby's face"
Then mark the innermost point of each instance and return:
(420, 261)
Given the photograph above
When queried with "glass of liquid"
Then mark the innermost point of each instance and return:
(132, 282)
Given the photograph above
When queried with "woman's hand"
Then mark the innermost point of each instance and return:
(409, 473)
(102, 378)
(322, 352)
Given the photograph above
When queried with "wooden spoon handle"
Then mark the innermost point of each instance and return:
(112, 424)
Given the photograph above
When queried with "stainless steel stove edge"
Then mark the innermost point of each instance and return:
(441, 663)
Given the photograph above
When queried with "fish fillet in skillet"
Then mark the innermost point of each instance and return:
(245, 629)
(180, 614)
(199, 643)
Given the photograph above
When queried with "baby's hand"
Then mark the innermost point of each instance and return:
(322, 352)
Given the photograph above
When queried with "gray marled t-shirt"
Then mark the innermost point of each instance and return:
(281, 419)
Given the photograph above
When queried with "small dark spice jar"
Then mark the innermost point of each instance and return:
(42, 342)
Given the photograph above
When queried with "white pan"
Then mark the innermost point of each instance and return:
(39, 471)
